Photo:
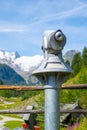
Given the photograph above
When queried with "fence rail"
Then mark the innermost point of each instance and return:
(20, 88)
(32, 88)
(40, 111)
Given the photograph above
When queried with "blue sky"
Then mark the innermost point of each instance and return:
(23, 22)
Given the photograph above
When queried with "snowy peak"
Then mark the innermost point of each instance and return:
(20, 63)
(26, 62)
(10, 56)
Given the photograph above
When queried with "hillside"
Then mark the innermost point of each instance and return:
(9, 77)
(80, 78)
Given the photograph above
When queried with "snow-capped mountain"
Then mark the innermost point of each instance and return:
(19, 63)
(26, 62)
(8, 55)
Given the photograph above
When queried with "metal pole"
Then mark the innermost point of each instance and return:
(52, 112)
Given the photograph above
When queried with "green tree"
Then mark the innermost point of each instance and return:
(1, 82)
(84, 56)
(68, 62)
(76, 63)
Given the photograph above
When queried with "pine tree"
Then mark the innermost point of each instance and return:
(76, 63)
(68, 62)
(1, 82)
(84, 56)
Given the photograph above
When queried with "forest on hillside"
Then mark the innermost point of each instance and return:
(79, 76)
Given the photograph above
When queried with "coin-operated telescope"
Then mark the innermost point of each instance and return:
(53, 44)
(52, 72)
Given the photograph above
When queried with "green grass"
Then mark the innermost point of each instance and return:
(13, 124)
(13, 115)
(17, 102)
(1, 118)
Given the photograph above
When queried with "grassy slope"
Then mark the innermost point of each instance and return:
(73, 95)
(80, 78)
(13, 124)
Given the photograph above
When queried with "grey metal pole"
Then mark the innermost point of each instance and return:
(52, 107)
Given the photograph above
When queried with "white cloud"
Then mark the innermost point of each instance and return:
(11, 27)
(62, 15)
(10, 30)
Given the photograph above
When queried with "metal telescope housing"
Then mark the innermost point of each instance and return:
(53, 44)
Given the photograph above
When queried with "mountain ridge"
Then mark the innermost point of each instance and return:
(24, 65)
(17, 62)
(69, 55)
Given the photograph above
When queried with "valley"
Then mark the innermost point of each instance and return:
(21, 99)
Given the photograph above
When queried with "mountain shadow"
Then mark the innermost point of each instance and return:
(9, 77)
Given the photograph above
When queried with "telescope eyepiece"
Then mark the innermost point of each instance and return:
(58, 35)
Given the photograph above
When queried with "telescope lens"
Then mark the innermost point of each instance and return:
(58, 35)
